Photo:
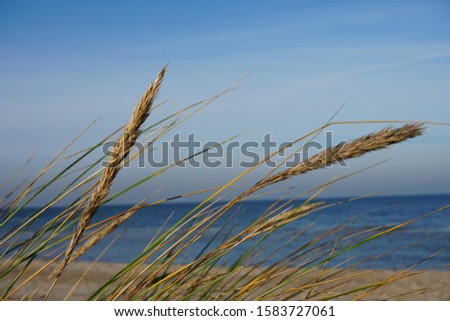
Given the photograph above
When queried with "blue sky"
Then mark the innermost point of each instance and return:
(66, 63)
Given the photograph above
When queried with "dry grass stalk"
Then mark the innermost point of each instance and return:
(125, 142)
(284, 218)
(351, 149)
(101, 234)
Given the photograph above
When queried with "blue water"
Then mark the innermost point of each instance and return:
(352, 221)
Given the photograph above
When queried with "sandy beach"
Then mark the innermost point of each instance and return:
(426, 285)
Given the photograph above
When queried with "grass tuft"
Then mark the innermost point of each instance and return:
(36, 249)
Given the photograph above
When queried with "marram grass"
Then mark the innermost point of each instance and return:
(32, 264)
(120, 151)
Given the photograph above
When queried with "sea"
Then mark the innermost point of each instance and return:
(349, 232)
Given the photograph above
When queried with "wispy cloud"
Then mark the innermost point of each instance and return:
(313, 83)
